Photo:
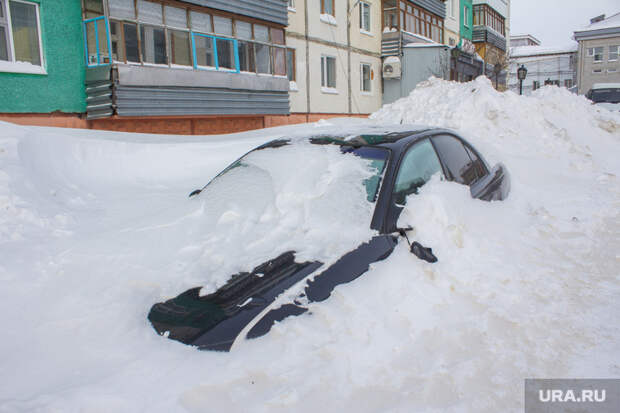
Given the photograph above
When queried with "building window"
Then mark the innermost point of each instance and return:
(290, 65)
(328, 71)
(612, 70)
(291, 4)
(535, 85)
(597, 53)
(365, 16)
(487, 16)
(597, 71)
(417, 20)
(327, 7)
(159, 33)
(465, 16)
(568, 83)
(366, 84)
(20, 34)
(613, 53)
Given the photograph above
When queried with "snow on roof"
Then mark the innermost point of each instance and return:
(608, 23)
(524, 36)
(606, 86)
(415, 45)
(522, 51)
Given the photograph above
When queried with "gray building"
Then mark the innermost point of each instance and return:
(599, 48)
(154, 58)
(418, 62)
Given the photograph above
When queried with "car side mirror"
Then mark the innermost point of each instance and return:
(422, 252)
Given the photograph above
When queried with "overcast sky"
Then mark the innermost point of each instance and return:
(553, 21)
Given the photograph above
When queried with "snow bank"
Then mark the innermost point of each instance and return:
(95, 227)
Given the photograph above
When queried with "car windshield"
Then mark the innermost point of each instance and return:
(609, 95)
(376, 157)
(315, 199)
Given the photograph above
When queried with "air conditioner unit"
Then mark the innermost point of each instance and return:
(391, 68)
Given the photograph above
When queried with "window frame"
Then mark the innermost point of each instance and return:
(403, 157)
(333, 3)
(467, 148)
(601, 54)
(293, 69)
(362, 20)
(8, 26)
(325, 72)
(214, 40)
(369, 91)
(466, 16)
(617, 52)
(424, 22)
(190, 11)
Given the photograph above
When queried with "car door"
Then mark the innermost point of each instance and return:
(460, 163)
(417, 165)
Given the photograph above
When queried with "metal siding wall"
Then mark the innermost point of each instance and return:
(435, 6)
(270, 10)
(99, 102)
(160, 101)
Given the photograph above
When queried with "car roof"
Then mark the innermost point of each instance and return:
(606, 86)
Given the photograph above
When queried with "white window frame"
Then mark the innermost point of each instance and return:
(594, 54)
(11, 65)
(465, 16)
(291, 5)
(365, 92)
(617, 52)
(362, 20)
(324, 81)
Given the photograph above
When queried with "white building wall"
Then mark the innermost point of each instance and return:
(328, 36)
(452, 23)
(540, 68)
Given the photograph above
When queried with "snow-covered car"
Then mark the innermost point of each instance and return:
(606, 95)
(249, 303)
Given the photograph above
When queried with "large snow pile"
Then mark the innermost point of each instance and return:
(95, 227)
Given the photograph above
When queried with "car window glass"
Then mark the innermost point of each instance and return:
(459, 166)
(416, 168)
(478, 165)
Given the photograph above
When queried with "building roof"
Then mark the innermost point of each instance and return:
(524, 36)
(610, 25)
(524, 51)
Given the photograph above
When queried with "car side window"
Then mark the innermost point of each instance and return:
(417, 167)
(478, 165)
(456, 161)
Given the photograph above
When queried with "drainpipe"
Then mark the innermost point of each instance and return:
(349, 10)
(306, 20)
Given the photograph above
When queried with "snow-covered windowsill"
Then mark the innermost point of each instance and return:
(292, 86)
(330, 90)
(329, 19)
(21, 67)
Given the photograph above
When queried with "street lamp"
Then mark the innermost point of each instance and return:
(521, 74)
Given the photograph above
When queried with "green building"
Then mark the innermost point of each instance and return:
(466, 18)
(41, 57)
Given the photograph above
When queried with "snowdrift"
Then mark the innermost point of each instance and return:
(95, 227)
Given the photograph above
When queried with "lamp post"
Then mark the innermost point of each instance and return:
(521, 74)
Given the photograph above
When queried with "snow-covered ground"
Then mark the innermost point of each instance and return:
(95, 227)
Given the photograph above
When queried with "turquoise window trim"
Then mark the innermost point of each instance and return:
(215, 56)
(95, 21)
